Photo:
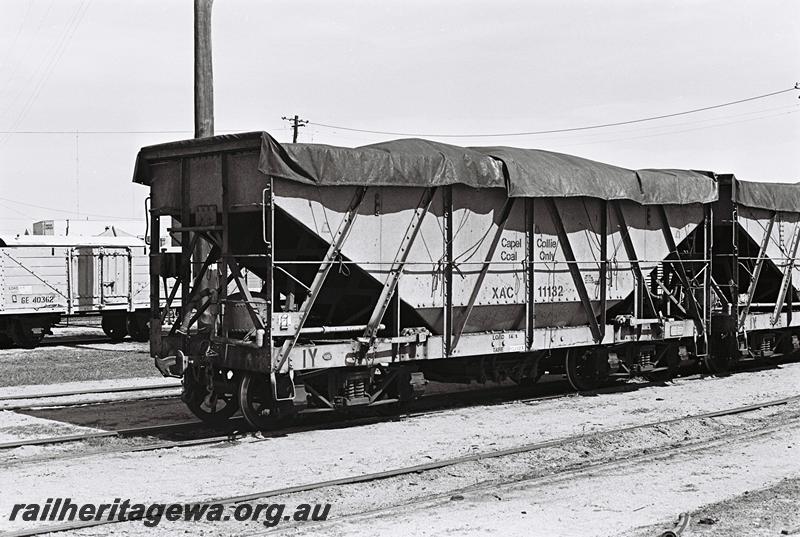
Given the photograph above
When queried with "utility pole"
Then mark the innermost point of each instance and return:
(296, 124)
(77, 175)
(203, 73)
(203, 128)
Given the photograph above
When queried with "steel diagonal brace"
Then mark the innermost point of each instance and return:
(672, 299)
(630, 250)
(762, 255)
(212, 256)
(501, 225)
(202, 309)
(237, 277)
(170, 298)
(574, 270)
(787, 275)
(398, 265)
(718, 291)
(694, 310)
(333, 252)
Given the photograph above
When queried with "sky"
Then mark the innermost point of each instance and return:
(86, 83)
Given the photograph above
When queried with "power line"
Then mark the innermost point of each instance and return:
(601, 136)
(570, 129)
(72, 132)
(60, 47)
(667, 133)
(14, 67)
(104, 216)
(10, 51)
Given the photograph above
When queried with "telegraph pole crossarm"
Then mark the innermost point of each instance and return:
(296, 123)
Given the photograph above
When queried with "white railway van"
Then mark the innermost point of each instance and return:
(44, 277)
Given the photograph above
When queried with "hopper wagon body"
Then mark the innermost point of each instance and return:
(390, 264)
(756, 275)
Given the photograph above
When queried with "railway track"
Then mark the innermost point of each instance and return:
(41, 399)
(56, 341)
(92, 391)
(426, 405)
(571, 471)
(436, 402)
(59, 341)
(81, 437)
(429, 403)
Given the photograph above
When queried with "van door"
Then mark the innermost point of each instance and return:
(114, 276)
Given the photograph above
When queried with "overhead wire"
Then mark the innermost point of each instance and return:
(57, 52)
(683, 130)
(651, 128)
(111, 131)
(41, 63)
(8, 54)
(568, 129)
(53, 209)
(10, 74)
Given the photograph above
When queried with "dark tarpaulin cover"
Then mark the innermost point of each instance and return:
(524, 172)
(771, 196)
(536, 173)
(415, 162)
(410, 162)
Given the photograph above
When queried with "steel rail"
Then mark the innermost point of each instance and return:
(231, 427)
(570, 471)
(58, 341)
(120, 389)
(483, 396)
(443, 463)
(119, 433)
(95, 402)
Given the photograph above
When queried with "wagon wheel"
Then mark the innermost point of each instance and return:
(258, 404)
(398, 388)
(114, 327)
(213, 408)
(583, 369)
(25, 337)
(139, 329)
(532, 377)
(6, 342)
(790, 348)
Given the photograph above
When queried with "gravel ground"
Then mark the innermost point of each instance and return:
(73, 361)
(15, 427)
(766, 512)
(462, 499)
(205, 472)
(608, 501)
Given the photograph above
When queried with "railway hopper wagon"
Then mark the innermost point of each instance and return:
(387, 265)
(43, 278)
(756, 276)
